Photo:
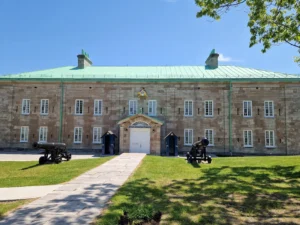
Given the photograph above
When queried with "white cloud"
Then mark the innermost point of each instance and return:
(222, 58)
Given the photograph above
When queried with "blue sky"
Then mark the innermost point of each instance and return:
(38, 35)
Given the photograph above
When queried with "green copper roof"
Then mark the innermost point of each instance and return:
(149, 73)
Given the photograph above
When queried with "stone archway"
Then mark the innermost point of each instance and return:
(139, 124)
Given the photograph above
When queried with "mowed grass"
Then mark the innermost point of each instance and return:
(18, 174)
(237, 190)
(8, 206)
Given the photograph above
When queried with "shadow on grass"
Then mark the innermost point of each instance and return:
(30, 167)
(225, 195)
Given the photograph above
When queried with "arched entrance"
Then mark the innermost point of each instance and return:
(140, 133)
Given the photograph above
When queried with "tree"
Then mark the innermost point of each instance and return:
(270, 21)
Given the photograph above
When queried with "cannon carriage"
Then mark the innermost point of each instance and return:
(54, 152)
(198, 152)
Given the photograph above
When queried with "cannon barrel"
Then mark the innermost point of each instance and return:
(204, 142)
(48, 145)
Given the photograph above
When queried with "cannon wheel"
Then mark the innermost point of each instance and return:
(58, 158)
(42, 160)
(209, 160)
(69, 156)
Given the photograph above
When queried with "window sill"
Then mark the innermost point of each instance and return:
(44, 114)
(78, 114)
(208, 116)
(23, 141)
(211, 145)
(248, 146)
(97, 114)
(270, 146)
(77, 142)
(187, 144)
(151, 115)
(25, 114)
(188, 115)
(247, 116)
(269, 116)
(97, 143)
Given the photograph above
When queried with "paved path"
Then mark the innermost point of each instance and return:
(80, 200)
(34, 156)
(17, 193)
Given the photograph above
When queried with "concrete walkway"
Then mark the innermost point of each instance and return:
(17, 193)
(81, 200)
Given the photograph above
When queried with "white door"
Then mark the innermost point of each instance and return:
(140, 140)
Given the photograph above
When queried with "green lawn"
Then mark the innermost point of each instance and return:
(18, 174)
(8, 206)
(237, 190)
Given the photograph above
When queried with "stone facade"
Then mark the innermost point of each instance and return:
(170, 99)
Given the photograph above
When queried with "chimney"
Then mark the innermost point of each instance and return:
(83, 60)
(212, 60)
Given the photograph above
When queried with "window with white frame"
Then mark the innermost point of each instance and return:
(208, 108)
(97, 133)
(133, 107)
(97, 107)
(79, 107)
(152, 107)
(248, 140)
(270, 139)
(78, 135)
(44, 107)
(188, 136)
(269, 109)
(43, 134)
(26, 106)
(188, 108)
(24, 134)
(247, 108)
(209, 134)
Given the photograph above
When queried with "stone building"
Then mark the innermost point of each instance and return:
(158, 110)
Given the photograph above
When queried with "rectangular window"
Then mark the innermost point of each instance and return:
(44, 107)
(24, 134)
(43, 134)
(188, 137)
(26, 106)
(247, 108)
(132, 107)
(270, 139)
(97, 133)
(248, 140)
(78, 107)
(210, 136)
(188, 108)
(208, 108)
(152, 107)
(78, 135)
(97, 107)
(269, 109)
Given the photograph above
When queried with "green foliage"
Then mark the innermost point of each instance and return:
(270, 21)
(18, 174)
(139, 212)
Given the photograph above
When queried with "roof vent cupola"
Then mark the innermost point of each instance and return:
(212, 60)
(83, 60)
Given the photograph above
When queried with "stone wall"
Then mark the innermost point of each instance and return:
(170, 109)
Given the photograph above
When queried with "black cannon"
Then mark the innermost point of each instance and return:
(198, 152)
(54, 152)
